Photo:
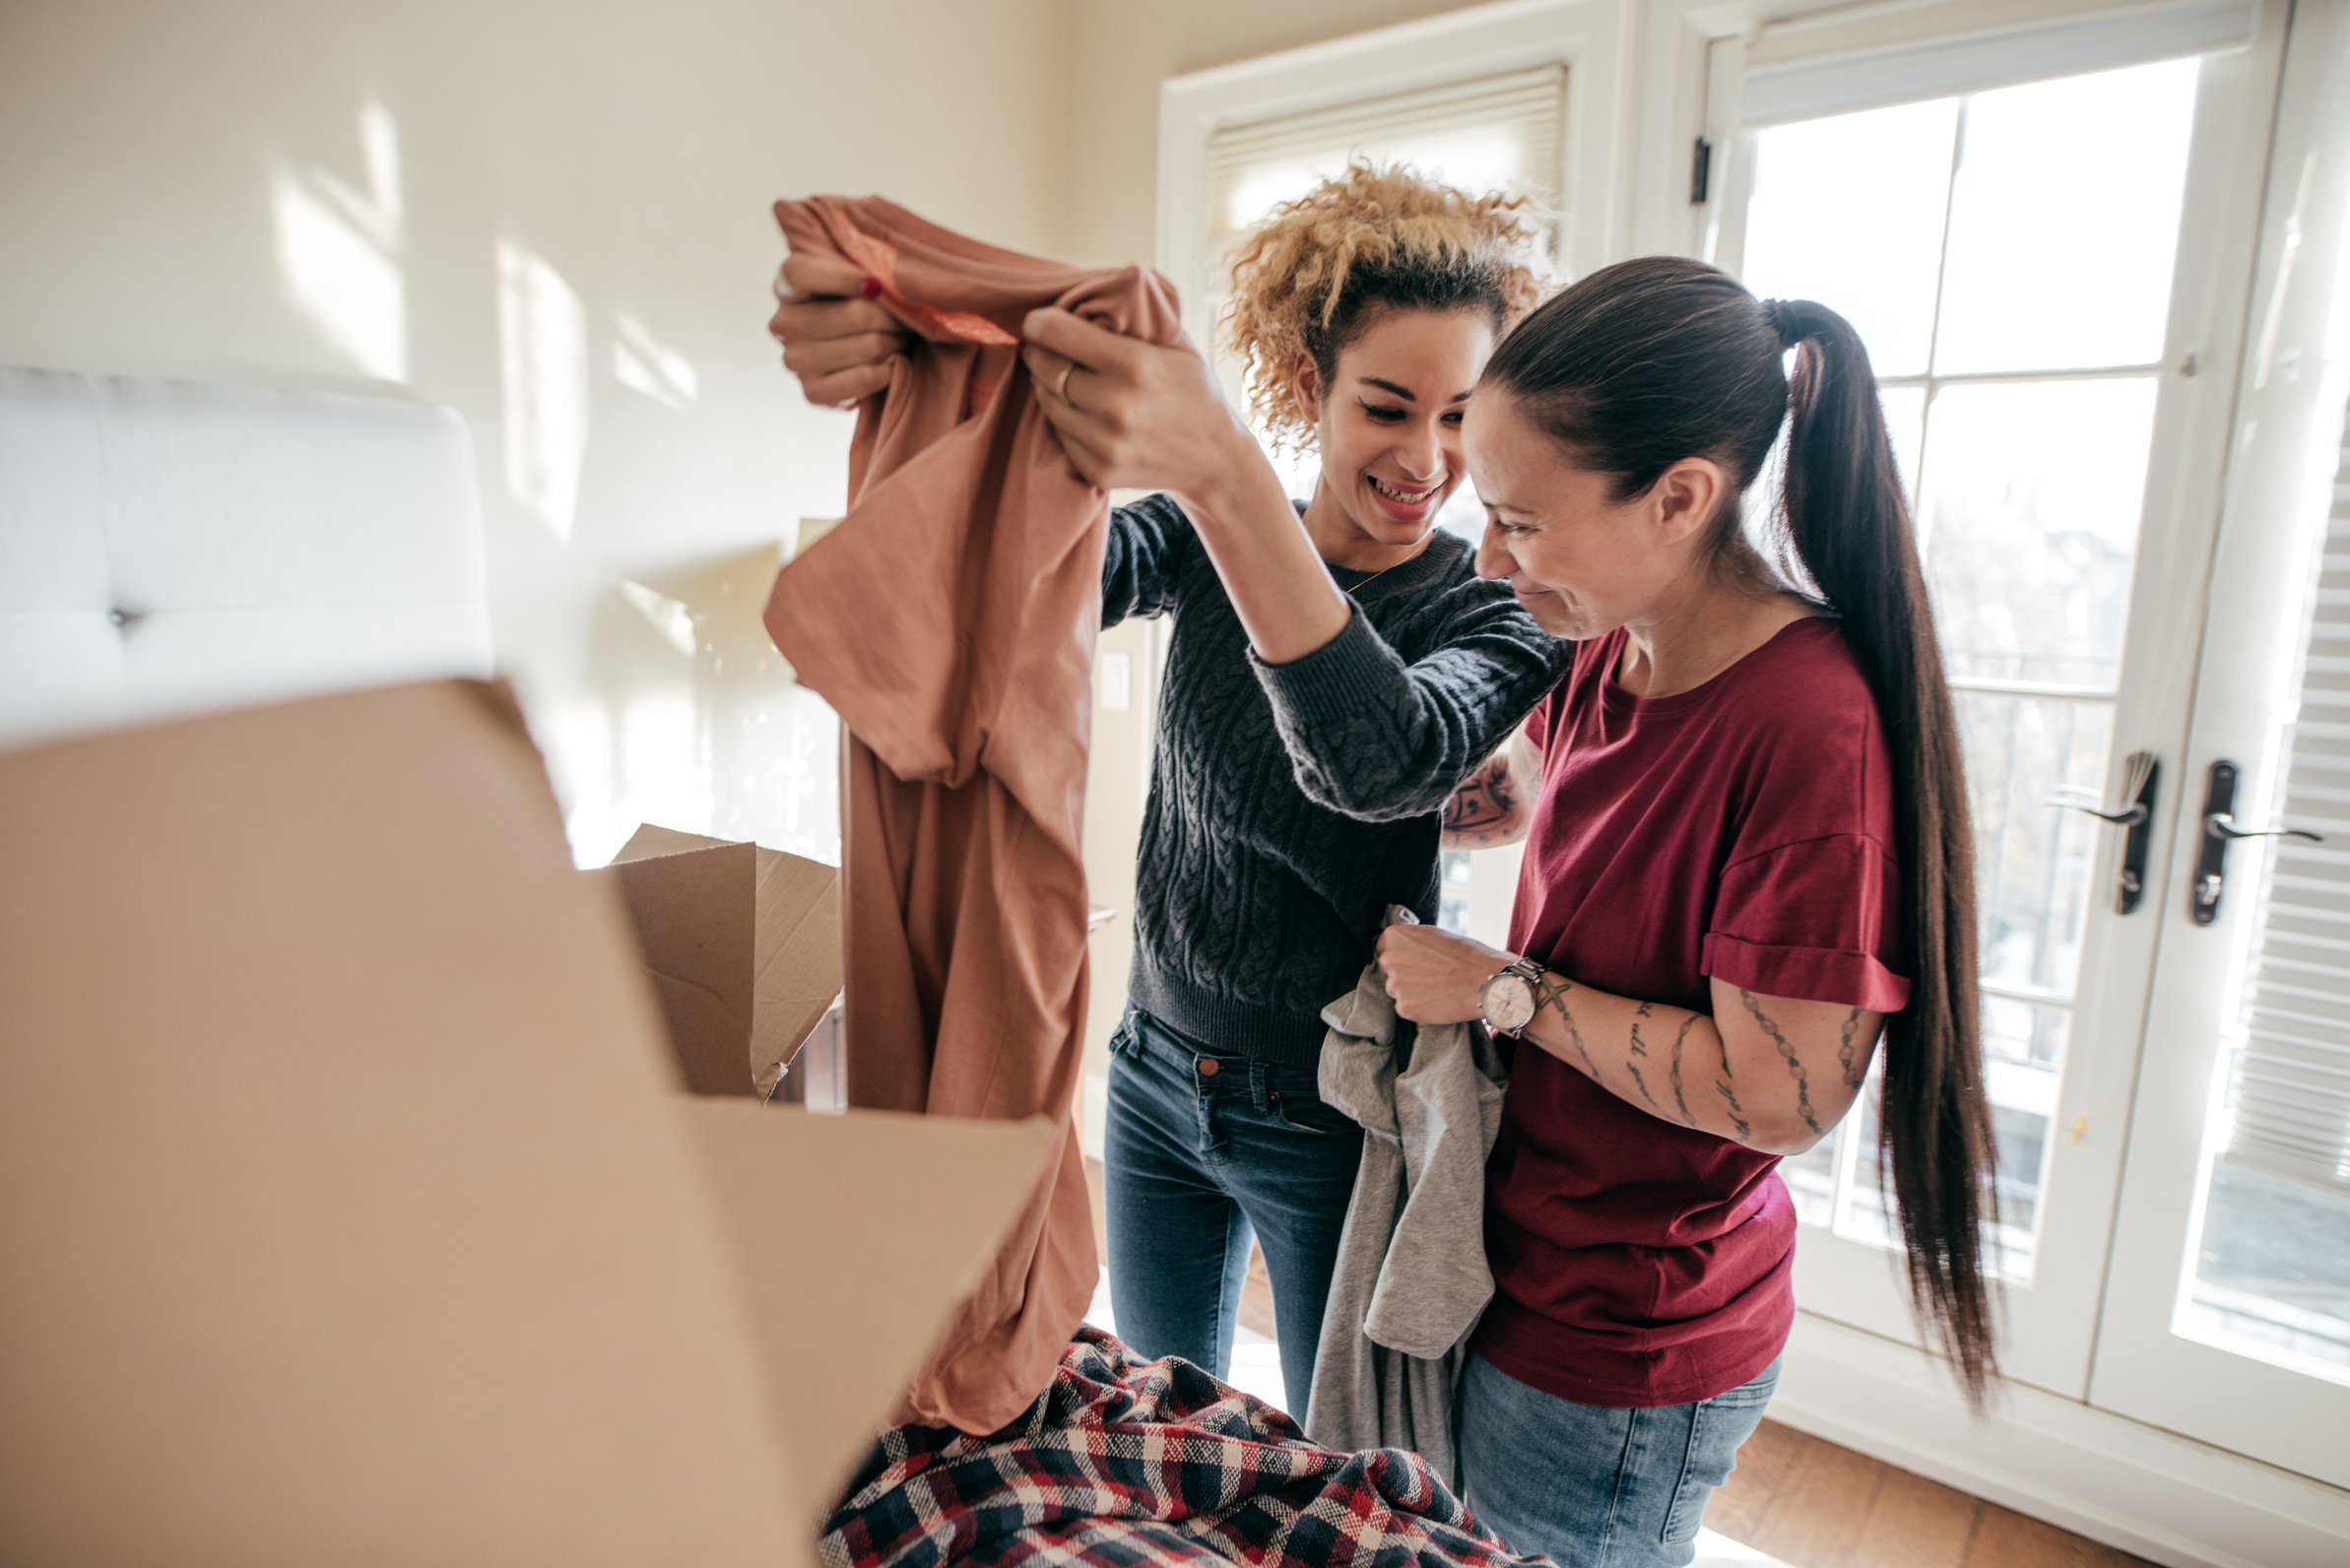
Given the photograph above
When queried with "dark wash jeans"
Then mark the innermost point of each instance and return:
(1205, 1148)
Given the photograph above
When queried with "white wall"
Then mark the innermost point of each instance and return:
(554, 218)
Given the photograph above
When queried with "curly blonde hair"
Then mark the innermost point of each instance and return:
(1306, 280)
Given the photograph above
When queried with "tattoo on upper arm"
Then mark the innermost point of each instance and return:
(1639, 1049)
(1794, 1063)
(1680, 1096)
(1552, 995)
(1855, 1070)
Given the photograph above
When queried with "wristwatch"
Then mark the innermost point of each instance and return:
(1507, 999)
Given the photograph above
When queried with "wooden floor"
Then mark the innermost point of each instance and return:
(1811, 1504)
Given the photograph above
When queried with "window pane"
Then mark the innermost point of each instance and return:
(2273, 1267)
(1866, 1214)
(2032, 860)
(2023, 1106)
(1810, 1178)
(1905, 425)
(2033, 494)
(2066, 220)
(2024, 1033)
(1452, 905)
(1849, 212)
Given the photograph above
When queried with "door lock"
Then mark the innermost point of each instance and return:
(2219, 831)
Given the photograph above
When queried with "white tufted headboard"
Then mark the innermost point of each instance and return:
(167, 547)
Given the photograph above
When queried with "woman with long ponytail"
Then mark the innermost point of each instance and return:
(1748, 860)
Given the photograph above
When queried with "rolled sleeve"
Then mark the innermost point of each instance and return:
(1814, 921)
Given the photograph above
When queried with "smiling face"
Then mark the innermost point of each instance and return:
(1389, 423)
(1582, 562)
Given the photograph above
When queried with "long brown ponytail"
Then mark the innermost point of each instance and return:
(1649, 362)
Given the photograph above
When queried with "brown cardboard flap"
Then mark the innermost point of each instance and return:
(744, 973)
(856, 1236)
(799, 958)
(345, 1212)
(695, 913)
(649, 842)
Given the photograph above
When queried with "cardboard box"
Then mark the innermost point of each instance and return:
(742, 944)
(349, 1209)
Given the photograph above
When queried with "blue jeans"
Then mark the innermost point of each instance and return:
(1588, 1486)
(1203, 1149)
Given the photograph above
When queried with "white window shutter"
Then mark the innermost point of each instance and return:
(2291, 1094)
(1485, 133)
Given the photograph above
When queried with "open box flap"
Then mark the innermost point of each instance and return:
(695, 913)
(857, 1236)
(799, 958)
(346, 1211)
(777, 949)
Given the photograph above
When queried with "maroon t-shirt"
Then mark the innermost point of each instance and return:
(1741, 830)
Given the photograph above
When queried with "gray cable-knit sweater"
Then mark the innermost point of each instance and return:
(1292, 804)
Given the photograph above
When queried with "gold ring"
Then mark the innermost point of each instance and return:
(1060, 387)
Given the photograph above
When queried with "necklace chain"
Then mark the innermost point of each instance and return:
(1384, 570)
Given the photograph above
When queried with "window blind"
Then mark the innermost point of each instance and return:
(1771, 94)
(1484, 133)
(2292, 1088)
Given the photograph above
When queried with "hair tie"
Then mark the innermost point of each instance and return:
(1783, 313)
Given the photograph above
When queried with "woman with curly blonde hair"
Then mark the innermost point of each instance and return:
(1336, 668)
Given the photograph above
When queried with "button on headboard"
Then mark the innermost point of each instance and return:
(167, 547)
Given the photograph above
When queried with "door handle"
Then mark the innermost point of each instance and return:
(2219, 831)
(2142, 777)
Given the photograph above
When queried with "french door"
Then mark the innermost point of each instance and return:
(2051, 277)
(2227, 1315)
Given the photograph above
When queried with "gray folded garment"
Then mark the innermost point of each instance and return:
(1412, 1277)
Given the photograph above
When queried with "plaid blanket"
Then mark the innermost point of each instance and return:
(1126, 1462)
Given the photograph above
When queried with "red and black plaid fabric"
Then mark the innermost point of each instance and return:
(1125, 1462)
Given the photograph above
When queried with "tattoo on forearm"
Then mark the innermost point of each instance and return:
(1484, 804)
(1853, 1071)
(1552, 996)
(1680, 1096)
(1794, 1063)
(1724, 1086)
(1737, 1113)
(1641, 1050)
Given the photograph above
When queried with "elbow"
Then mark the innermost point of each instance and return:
(1395, 803)
(1788, 1136)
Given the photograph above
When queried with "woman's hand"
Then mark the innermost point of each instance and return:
(1134, 414)
(835, 339)
(1435, 976)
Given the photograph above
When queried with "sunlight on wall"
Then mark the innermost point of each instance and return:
(542, 356)
(666, 616)
(664, 778)
(643, 365)
(695, 722)
(339, 247)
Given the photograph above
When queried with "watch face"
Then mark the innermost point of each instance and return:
(1509, 1002)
